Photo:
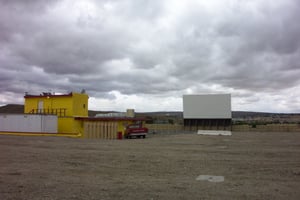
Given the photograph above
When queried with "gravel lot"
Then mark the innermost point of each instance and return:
(254, 166)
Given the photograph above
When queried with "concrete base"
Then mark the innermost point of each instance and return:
(213, 132)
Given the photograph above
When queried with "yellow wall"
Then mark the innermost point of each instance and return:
(80, 105)
(63, 102)
(70, 125)
(75, 104)
(122, 126)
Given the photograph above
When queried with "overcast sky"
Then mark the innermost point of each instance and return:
(146, 54)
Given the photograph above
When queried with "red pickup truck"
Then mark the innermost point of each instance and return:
(135, 130)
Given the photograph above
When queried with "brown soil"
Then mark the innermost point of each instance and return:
(254, 165)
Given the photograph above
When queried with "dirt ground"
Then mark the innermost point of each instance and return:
(254, 166)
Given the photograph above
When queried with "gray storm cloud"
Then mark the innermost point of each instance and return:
(150, 47)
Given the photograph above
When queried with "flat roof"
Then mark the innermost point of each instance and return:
(47, 95)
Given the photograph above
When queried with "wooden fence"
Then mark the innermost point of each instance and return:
(101, 130)
(109, 130)
(268, 128)
(164, 128)
(170, 128)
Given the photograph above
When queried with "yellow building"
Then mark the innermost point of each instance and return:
(66, 106)
(72, 112)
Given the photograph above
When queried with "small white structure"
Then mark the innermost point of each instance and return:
(28, 123)
(130, 113)
(213, 132)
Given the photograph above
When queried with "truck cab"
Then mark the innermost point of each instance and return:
(135, 131)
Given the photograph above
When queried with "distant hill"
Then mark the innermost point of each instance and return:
(160, 114)
(19, 109)
(244, 114)
(12, 108)
(235, 114)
